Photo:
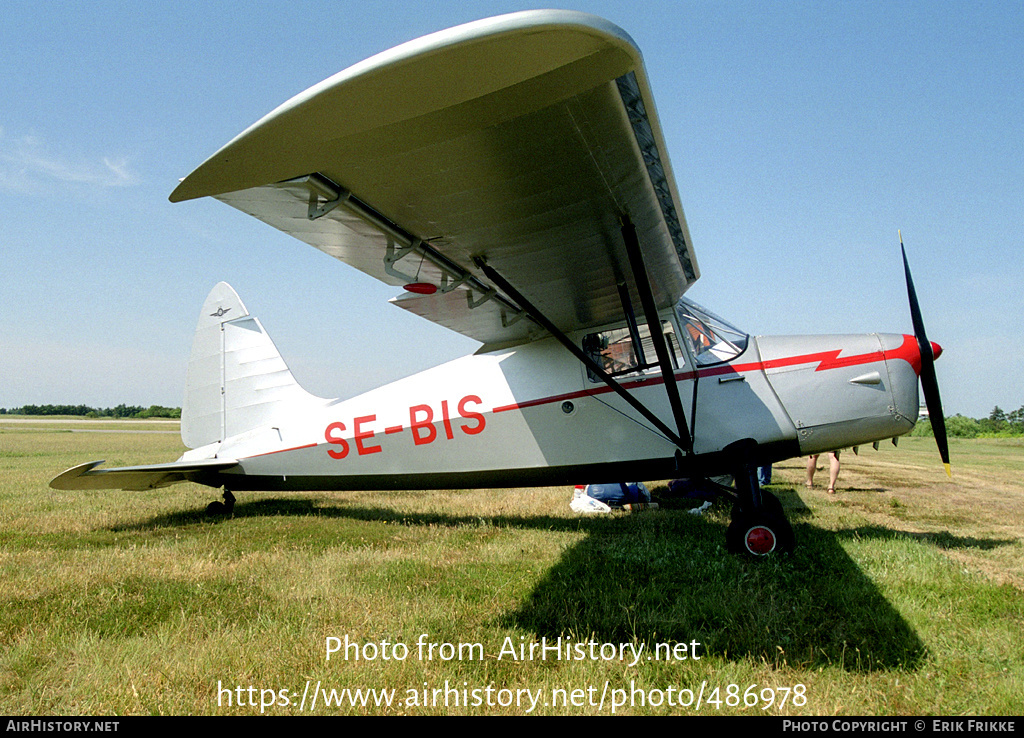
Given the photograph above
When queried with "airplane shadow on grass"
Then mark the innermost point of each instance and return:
(671, 580)
(666, 577)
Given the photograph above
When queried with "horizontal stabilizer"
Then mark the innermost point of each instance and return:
(151, 476)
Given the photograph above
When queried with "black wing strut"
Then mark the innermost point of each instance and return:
(535, 314)
(643, 287)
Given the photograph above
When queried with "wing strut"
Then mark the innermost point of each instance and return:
(643, 287)
(534, 314)
(634, 332)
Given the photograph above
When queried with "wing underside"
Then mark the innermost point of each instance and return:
(522, 140)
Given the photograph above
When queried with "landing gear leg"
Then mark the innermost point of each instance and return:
(225, 509)
(759, 526)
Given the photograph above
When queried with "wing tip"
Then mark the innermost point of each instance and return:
(63, 480)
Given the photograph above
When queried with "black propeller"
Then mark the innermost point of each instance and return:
(929, 383)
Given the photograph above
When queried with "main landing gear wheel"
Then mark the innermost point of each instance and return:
(760, 532)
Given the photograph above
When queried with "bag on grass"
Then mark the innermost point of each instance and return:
(617, 495)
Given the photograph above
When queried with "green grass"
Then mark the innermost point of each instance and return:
(904, 595)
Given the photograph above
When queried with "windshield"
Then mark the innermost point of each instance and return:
(711, 339)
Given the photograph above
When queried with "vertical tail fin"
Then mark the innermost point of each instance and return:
(237, 380)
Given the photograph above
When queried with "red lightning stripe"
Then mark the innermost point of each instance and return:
(824, 359)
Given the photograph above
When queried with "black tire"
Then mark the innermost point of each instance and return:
(772, 505)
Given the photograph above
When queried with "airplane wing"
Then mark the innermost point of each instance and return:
(152, 476)
(522, 139)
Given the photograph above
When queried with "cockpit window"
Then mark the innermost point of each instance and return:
(615, 352)
(712, 340)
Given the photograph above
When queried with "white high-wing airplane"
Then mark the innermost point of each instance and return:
(511, 175)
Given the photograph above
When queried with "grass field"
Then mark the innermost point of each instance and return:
(905, 595)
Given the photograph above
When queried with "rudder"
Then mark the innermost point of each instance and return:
(237, 380)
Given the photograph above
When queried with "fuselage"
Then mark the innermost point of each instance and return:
(533, 414)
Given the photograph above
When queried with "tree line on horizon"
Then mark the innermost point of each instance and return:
(121, 411)
(998, 423)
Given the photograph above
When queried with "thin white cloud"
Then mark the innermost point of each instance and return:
(29, 165)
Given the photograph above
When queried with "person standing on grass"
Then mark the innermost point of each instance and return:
(833, 470)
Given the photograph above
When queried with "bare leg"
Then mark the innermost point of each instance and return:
(833, 471)
(812, 463)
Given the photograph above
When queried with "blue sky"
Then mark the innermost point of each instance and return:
(802, 136)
